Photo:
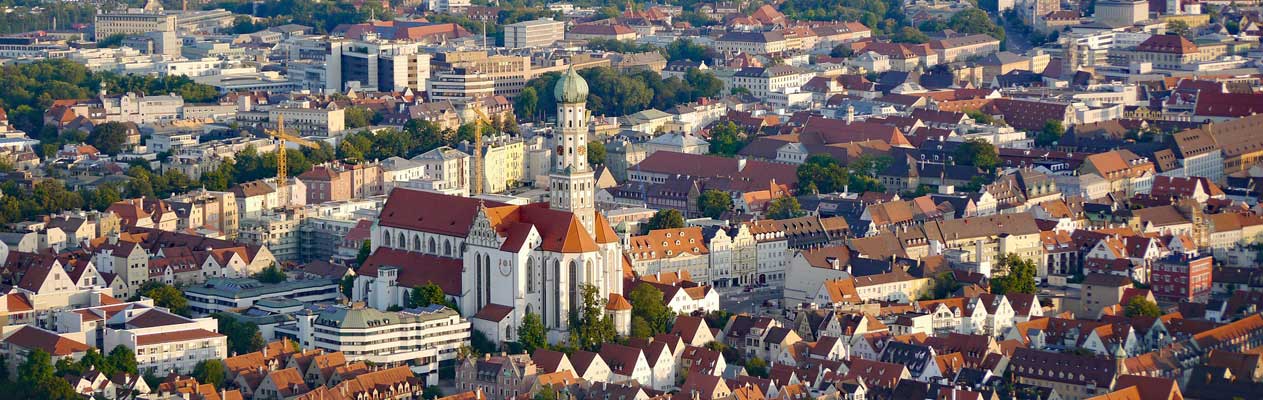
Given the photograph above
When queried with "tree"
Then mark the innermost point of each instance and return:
(589, 325)
(110, 137)
(726, 139)
(842, 51)
(978, 153)
(121, 359)
(669, 218)
(596, 152)
(910, 35)
(685, 49)
(1178, 27)
(647, 305)
(366, 249)
(981, 117)
(1019, 276)
(243, 337)
(271, 274)
(211, 371)
(756, 367)
(714, 203)
(870, 165)
(1142, 307)
(527, 104)
(824, 173)
(428, 294)
(347, 285)
(167, 296)
(358, 117)
(945, 284)
(531, 334)
(1052, 132)
(784, 208)
(974, 20)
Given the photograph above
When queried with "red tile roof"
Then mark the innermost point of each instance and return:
(416, 269)
(178, 336)
(30, 337)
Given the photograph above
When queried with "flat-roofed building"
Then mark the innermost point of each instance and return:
(536, 33)
(226, 294)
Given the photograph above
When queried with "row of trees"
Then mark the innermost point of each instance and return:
(28, 89)
(611, 92)
(823, 174)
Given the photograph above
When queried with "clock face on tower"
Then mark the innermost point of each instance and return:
(582, 150)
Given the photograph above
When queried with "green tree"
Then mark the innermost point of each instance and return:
(121, 359)
(870, 165)
(431, 392)
(726, 139)
(981, 117)
(714, 203)
(110, 137)
(685, 49)
(974, 20)
(842, 51)
(668, 218)
(945, 284)
(347, 151)
(358, 117)
(756, 367)
(824, 173)
(647, 305)
(1178, 27)
(347, 285)
(1018, 277)
(111, 41)
(589, 325)
(596, 152)
(366, 249)
(1052, 132)
(211, 371)
(526, 105)
(167, 296)
(909, 35)
(243, 337)
(978, 153)
(270, 274)
(531, 334)
(428, 294)
(784, 208)
(1142, 307)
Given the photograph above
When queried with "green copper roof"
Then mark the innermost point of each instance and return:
(571, 88)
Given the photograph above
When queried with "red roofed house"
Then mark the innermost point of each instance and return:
(19, 340)
(1172, 52)
(162, 341)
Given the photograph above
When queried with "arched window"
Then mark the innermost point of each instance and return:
(386, 239)
(403, 243)
(530, 275)
(447, 247)
(574, 285)
(433, 249)
(478, 282)
(557, 293)
(416, 242)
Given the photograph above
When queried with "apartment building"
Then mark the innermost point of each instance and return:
(671, 251)
(341, 182)
(424, 338)
(1181, 277)
(162, 341)
(762, 82)
(535, 33)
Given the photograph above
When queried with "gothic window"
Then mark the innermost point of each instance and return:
(403, 243)
(432, 248)
(557, 293)
(386, 239)
(486, 262)
(478, 282)
(530, 275)
(574, 285)
(447, 247)
(416, 242)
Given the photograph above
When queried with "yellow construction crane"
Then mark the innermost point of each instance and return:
(482, 119)
(281, 165)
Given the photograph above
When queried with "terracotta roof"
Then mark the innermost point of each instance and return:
(1173, 44)
(493, 312)
(667, 243)
(617, 303)
(178, 336)
(30, 337)
(416, 269)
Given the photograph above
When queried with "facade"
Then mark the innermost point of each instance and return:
(1181, 277)
(162, 341)
(671, 251)
(422, 338)
(536, 33)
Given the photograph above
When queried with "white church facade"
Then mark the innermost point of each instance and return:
(501, 259)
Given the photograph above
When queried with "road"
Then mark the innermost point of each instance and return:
(736, 301)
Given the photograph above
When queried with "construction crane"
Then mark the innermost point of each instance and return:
(482, 119)
(282, 166)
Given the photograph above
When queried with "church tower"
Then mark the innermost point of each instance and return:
(571, 181)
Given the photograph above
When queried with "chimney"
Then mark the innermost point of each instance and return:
(850, 114)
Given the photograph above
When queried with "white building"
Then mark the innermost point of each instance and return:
(537, 33)
(422, 338)
(162, 341)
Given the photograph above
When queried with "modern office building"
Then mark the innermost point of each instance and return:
(225, 294)
(537, 33)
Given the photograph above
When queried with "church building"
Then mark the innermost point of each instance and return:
(500, 261)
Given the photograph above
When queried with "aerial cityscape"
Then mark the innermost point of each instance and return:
(635, 200)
